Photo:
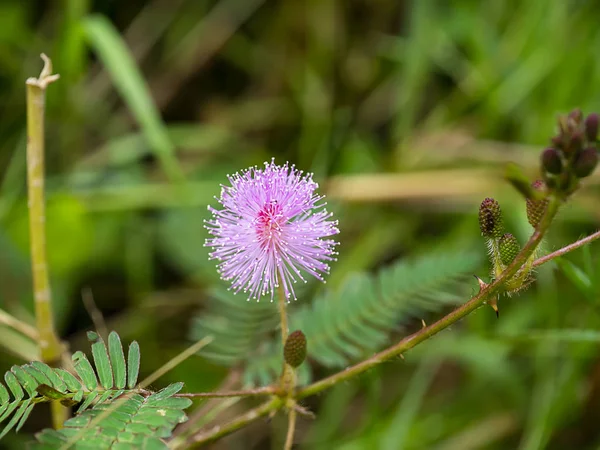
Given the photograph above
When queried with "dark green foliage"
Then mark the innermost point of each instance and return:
(138, 419)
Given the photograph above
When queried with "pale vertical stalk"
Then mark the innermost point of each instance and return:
(50, 346)
(288, 374)
(289, 439)
(282, 304)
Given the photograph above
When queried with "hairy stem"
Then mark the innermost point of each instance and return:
(567, 249)
(50, 346)
(425, 333)
(289, 438)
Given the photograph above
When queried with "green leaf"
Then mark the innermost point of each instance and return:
(4, 396)
(88, 401)
(73, 384)
(167, 392)
(13, 384)
(84, 370)
(117, 359)
(102, 363)
(39, 376)
(27, 381)
(56, 381)
(133, 364)
(15, 418)
(24, 417)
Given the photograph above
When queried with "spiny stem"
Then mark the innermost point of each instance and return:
(289, 439)
(50, 346)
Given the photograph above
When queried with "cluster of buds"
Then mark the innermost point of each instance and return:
(573, 154)
(504, 247)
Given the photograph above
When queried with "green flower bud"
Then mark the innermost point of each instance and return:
(585, 162)
(509, 248)
(591, 127)
(536, 208)
(294, 350)
(490, 218)
(551, 161)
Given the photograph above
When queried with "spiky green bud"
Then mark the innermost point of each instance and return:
(585, 162)
(294, 350)
(509, 248)
(551, 161)
(591, 127)
(536, 208)
(490, 218)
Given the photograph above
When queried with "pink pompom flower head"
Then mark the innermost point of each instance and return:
(271, 229)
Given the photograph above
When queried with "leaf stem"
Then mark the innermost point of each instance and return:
(49, 343)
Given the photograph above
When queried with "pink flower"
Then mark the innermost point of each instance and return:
(271, 229)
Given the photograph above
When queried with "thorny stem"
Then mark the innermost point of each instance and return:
(50, 346)
(289, 438)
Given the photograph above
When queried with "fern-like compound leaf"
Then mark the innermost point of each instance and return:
(355, 320)
(134, 421)
(109, 414)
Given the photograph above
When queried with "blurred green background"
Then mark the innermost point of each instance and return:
(406, 111)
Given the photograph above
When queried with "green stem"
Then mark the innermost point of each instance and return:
(425, 333)
(50, 346)
(289, 439)
(282, 304)
(567, 249)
